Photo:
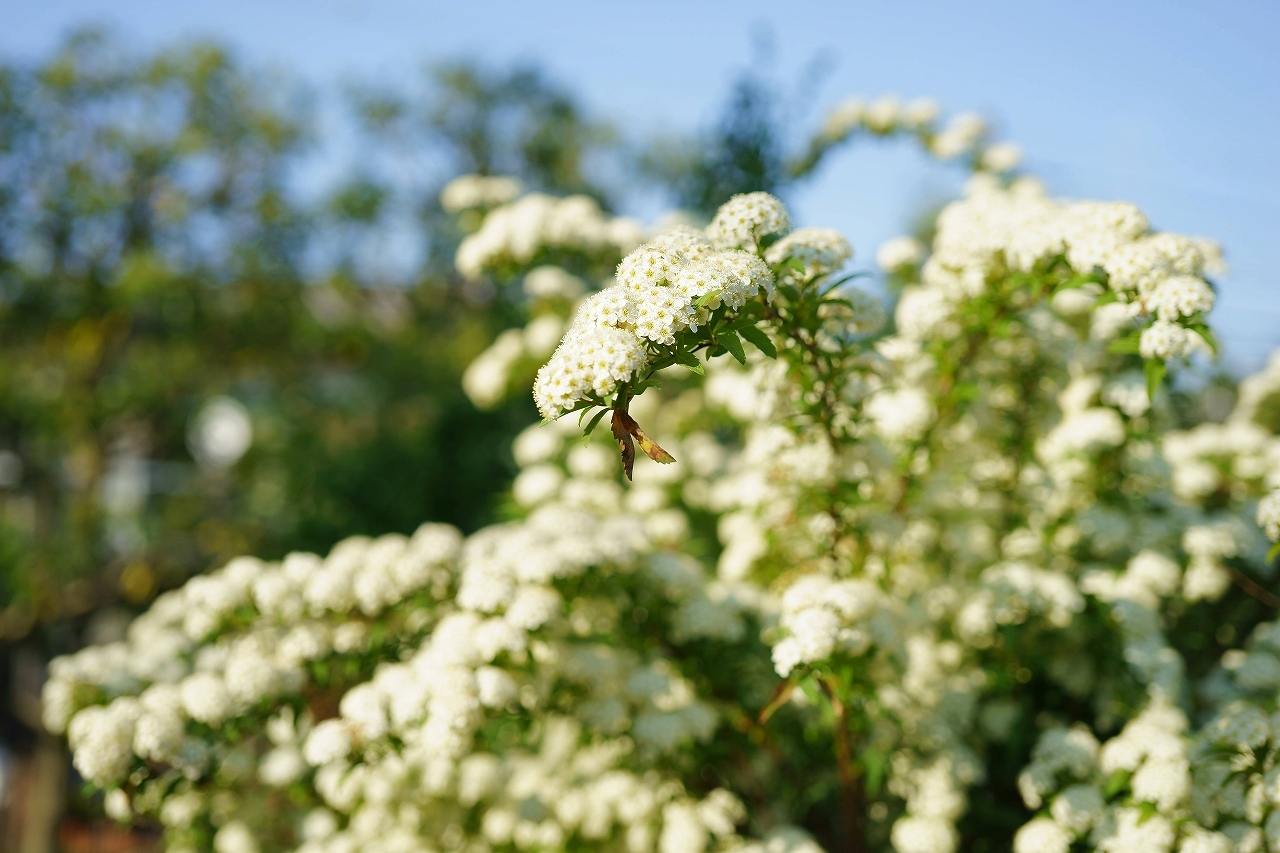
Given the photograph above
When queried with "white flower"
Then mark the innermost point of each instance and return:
(1164, 340)
(1078, 808)
(1199, 840)
(548, 282)
(181, 810)
(1268, 515)
(116, 805)
(329, 741)
(920, 311)
(1181, 296)
(682, 830)
(883, 114)
(899, 253)
(470, 191)
(282, 766)
(1042, 836)
(1162, 781)
(494, 687)
(901, 415)
(1002, 157)
(923, 834)
(1136, 832)
(744, 219)
(537, 484)
(588, 361)
(485, 379)
(818, 250)
(235, 837)
(960, 136)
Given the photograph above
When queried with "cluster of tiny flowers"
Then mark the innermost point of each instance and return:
(225, 642)
(488, 377)
(742, 221)
(469, 192)
(819, 251)
(1269, 515)
(664, 287)
(517, 232)
(1237, 455)
(821, 616)
(934, 801)
(995, 229)
(899, 253)
(949, 496)
(1236, 754)
(964, 136)
(902, 414)
(1149, 812)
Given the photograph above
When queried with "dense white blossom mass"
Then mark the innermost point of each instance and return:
(942, 567)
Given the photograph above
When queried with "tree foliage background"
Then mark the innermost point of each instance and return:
(202, 360)
(159, 263)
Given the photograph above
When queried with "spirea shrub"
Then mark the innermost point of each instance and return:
(923, 579)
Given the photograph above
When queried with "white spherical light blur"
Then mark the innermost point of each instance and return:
(221, 433)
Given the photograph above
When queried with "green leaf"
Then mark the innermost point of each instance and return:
(729, 340)
(706, 298)
(1106, 298)
(760, 340)
(1118, 781)
(1078, 281)
(690, 361)
(1155, 370)
(1273, 553)
(1204, 332)
(1125, 346)
(874, 762)
(592, 424)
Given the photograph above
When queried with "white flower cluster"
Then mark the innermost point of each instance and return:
(516, 353)
(818, 251)
(934, 800)
(1231, 455)
(1268, 515)
(488, 377)
(996, 229)
(517, 232)
(666, 286)
(1147, 813)
(1236, 753)
(963, 136)
(940, 527)
(904, 414)
(822, 616)
(899, 253)
(742, 221)
(226, 642)
(1256, 391)
(468, 192)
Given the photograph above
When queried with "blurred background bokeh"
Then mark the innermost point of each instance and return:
(228, 312)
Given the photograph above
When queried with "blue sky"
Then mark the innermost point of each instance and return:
(1167, 104)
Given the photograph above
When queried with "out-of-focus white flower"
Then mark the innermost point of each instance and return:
(220, 433)
(899, 252)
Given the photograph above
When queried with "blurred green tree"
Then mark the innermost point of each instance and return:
(198, 364)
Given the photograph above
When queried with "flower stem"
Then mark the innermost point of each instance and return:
(852, 796)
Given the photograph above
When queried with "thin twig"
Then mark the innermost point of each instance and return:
(781, 694)
(852, 799)
(1253, 588)
(759, 735)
